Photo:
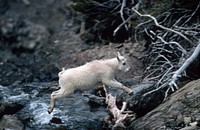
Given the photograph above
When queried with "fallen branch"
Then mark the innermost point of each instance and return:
(119, 115)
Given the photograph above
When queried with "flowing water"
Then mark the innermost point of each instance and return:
(72, 112)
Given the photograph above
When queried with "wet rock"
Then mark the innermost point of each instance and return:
(8, 102)
(6, 108)
(95, 101)
(140, 102)
(11, 122)
(56, 120)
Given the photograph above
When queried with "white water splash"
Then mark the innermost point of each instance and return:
(39, 111)
(22, 96)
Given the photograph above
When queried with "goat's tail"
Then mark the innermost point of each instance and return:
(61, 72)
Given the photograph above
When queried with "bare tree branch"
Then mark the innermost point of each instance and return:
(121, 12)
(160, 26)
(192, 14)
(185, 65)
(125, 21)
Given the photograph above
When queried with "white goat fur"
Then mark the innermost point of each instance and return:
(85, 77)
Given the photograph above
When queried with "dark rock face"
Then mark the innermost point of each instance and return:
(181, 109)
(3, 6)
(20, 54)
(25, 33)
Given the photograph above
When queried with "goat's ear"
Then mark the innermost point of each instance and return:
(118, 55)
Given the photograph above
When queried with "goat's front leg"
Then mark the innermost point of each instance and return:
(117, 84)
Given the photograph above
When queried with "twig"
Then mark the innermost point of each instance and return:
(121, 12)
(192, 14)
(122, 24)
(125, 21)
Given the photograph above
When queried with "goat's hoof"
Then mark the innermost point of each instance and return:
(49, 111)
(130, 92)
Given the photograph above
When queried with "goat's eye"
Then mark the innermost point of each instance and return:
(123, 63)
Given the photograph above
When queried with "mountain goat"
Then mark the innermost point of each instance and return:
(85, 77)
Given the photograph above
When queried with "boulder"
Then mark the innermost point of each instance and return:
(181, 110)
(11, 122)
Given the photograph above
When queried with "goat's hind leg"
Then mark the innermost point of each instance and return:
(58, 94)
(53, 97)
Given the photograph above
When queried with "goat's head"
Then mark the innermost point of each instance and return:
(122, 63)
